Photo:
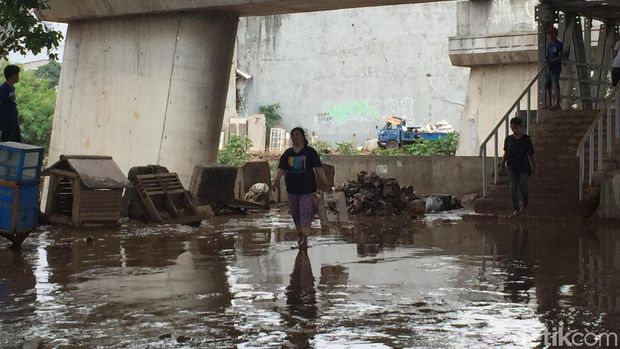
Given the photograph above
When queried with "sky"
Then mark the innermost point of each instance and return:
(18, 58)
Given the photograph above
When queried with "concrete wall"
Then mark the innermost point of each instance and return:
(428, 174)
(491, 92)
(340, 72)
(482, 18)
(145, 90)
(609, 205)
(498, 40)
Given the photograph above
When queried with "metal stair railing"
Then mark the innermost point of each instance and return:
(505, 123)
(610, 110)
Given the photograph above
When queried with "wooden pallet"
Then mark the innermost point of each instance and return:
(165, 199)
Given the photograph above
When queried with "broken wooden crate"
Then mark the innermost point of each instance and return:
(166, 200)
(85, 189)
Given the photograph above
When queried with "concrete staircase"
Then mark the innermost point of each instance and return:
(554, 192)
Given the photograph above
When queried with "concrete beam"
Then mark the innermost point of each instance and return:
(72, 10)
(145, 90)
(496, 49)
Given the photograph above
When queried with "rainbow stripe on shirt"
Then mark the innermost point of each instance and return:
(297, 162)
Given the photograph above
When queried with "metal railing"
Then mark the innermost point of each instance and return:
(505, 124)
(610, 110)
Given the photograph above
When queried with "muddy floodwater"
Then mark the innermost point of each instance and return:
(375, 283)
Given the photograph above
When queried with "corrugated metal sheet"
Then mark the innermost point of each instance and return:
(95, 172)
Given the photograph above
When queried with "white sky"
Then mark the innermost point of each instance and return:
(18, 58)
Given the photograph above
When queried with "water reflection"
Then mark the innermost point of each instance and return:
(301, 302)
(519, 280)
(17, 285)
(382, 282)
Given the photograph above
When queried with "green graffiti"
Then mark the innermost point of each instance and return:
(356, 110)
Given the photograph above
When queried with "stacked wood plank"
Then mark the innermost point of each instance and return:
(166, 200)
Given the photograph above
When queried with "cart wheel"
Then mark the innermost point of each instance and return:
(392, 145)
(15, 239)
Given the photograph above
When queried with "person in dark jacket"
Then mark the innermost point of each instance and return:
(555, 51)
(519, 160)
(9, 115)
(298, 164)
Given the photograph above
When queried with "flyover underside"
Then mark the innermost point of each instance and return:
(72, 10)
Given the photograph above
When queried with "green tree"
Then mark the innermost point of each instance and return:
(21, 31)
(36, 100)
(235, 152)
(50, 72)
(272, 117)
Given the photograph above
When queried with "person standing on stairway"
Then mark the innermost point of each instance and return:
(554, 69)
(519, 160)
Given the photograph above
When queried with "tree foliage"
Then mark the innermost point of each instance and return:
(445, 146)
(235, 152)
(49, 72)
(21, 31)
(36, 100)
(272, 117)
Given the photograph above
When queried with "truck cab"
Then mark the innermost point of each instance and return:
(395, 133)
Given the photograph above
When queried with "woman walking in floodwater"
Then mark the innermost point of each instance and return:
(298, 164)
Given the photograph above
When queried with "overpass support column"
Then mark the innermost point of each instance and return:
(145, 89)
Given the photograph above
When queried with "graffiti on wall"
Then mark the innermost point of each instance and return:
(340, 113)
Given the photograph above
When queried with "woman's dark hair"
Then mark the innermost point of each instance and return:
(302, 132)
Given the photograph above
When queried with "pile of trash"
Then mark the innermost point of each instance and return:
(372, 195)
(441, 126)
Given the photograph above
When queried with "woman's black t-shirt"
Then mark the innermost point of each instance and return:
(300, 170)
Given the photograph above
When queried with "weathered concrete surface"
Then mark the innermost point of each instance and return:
(492, 90)
(495, 32)
(609, 205)
(213, 184)
(427, 174)
(338, 73)
(71, 10)
(250, 173)
(145, 89)
(498, 40)
(498, 49)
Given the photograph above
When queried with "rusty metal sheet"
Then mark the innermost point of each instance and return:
(95, 172)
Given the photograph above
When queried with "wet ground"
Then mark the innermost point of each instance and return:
(236, 282)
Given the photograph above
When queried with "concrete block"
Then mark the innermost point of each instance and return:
(250, 173)
(609, 204)
(416, 207)
(336, 207)
(468, 201)
(257, 132)
(213, 183)
(330, 171)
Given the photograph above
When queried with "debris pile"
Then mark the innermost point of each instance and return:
(372, 195)
(259, 193)
(441, 126)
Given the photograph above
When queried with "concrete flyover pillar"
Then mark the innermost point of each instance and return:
(145, 89)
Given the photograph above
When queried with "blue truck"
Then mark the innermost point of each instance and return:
(395, 134)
